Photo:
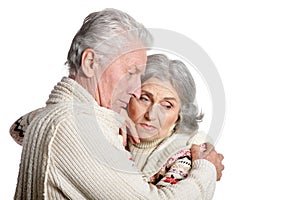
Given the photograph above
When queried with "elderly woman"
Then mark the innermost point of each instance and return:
(166, 121)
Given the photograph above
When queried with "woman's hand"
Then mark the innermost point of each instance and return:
(210, 154)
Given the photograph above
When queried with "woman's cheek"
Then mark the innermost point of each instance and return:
(131, 108)
(171, 118)
(135, 110)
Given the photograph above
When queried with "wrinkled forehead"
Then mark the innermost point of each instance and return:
(137, 57)
(159, 87)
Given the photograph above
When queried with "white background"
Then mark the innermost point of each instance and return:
(255, 46)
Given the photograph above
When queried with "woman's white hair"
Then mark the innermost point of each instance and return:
(109, 33)
(177, 74)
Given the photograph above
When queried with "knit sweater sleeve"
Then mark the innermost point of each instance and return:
(82, 169)
(176, 169)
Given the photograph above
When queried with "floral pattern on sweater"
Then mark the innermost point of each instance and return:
(175, 169)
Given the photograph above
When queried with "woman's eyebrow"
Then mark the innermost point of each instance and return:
(151, 95)
(147, 93)
(170, 98)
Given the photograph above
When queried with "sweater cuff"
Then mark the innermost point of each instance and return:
(204, 174)
(204, 165)
(203, 162)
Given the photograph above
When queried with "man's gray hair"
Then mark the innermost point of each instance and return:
(177, 74)
(109, 33)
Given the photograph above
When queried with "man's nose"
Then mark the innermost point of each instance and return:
(135, 86)
(137, 92)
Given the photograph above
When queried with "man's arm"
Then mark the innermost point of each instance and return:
(97, 180)
(200, 183)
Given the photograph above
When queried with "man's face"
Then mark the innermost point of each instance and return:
(121, 79)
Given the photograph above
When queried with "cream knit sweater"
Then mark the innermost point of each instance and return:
(72, 150)
(150, 156)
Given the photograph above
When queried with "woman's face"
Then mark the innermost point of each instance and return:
(156, 111)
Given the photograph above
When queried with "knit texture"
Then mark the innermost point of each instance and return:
(72, 150)
(150, 156)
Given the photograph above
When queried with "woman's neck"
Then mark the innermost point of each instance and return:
(149, 144)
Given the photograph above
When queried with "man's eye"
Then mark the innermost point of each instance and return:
(133, 71)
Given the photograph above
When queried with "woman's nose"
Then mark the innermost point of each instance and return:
(153, 112)
(149, 115)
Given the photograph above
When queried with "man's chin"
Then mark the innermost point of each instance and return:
(119, 108)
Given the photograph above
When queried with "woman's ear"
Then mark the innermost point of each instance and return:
(178, 119)
(88, 63)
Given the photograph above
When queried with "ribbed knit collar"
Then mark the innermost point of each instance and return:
(150, 156)
(149, 144)
(68, 90)
(153, 143)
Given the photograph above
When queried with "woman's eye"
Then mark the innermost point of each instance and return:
(144, 98)
(167, 105)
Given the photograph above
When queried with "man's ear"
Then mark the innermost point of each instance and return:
(88, 63)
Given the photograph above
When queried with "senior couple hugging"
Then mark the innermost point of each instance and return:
(122, 125)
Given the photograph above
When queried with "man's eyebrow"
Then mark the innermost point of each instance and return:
(137, 69)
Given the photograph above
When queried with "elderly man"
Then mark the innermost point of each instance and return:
(72, 148)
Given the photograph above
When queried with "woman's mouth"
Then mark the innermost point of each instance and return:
(147, 126)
